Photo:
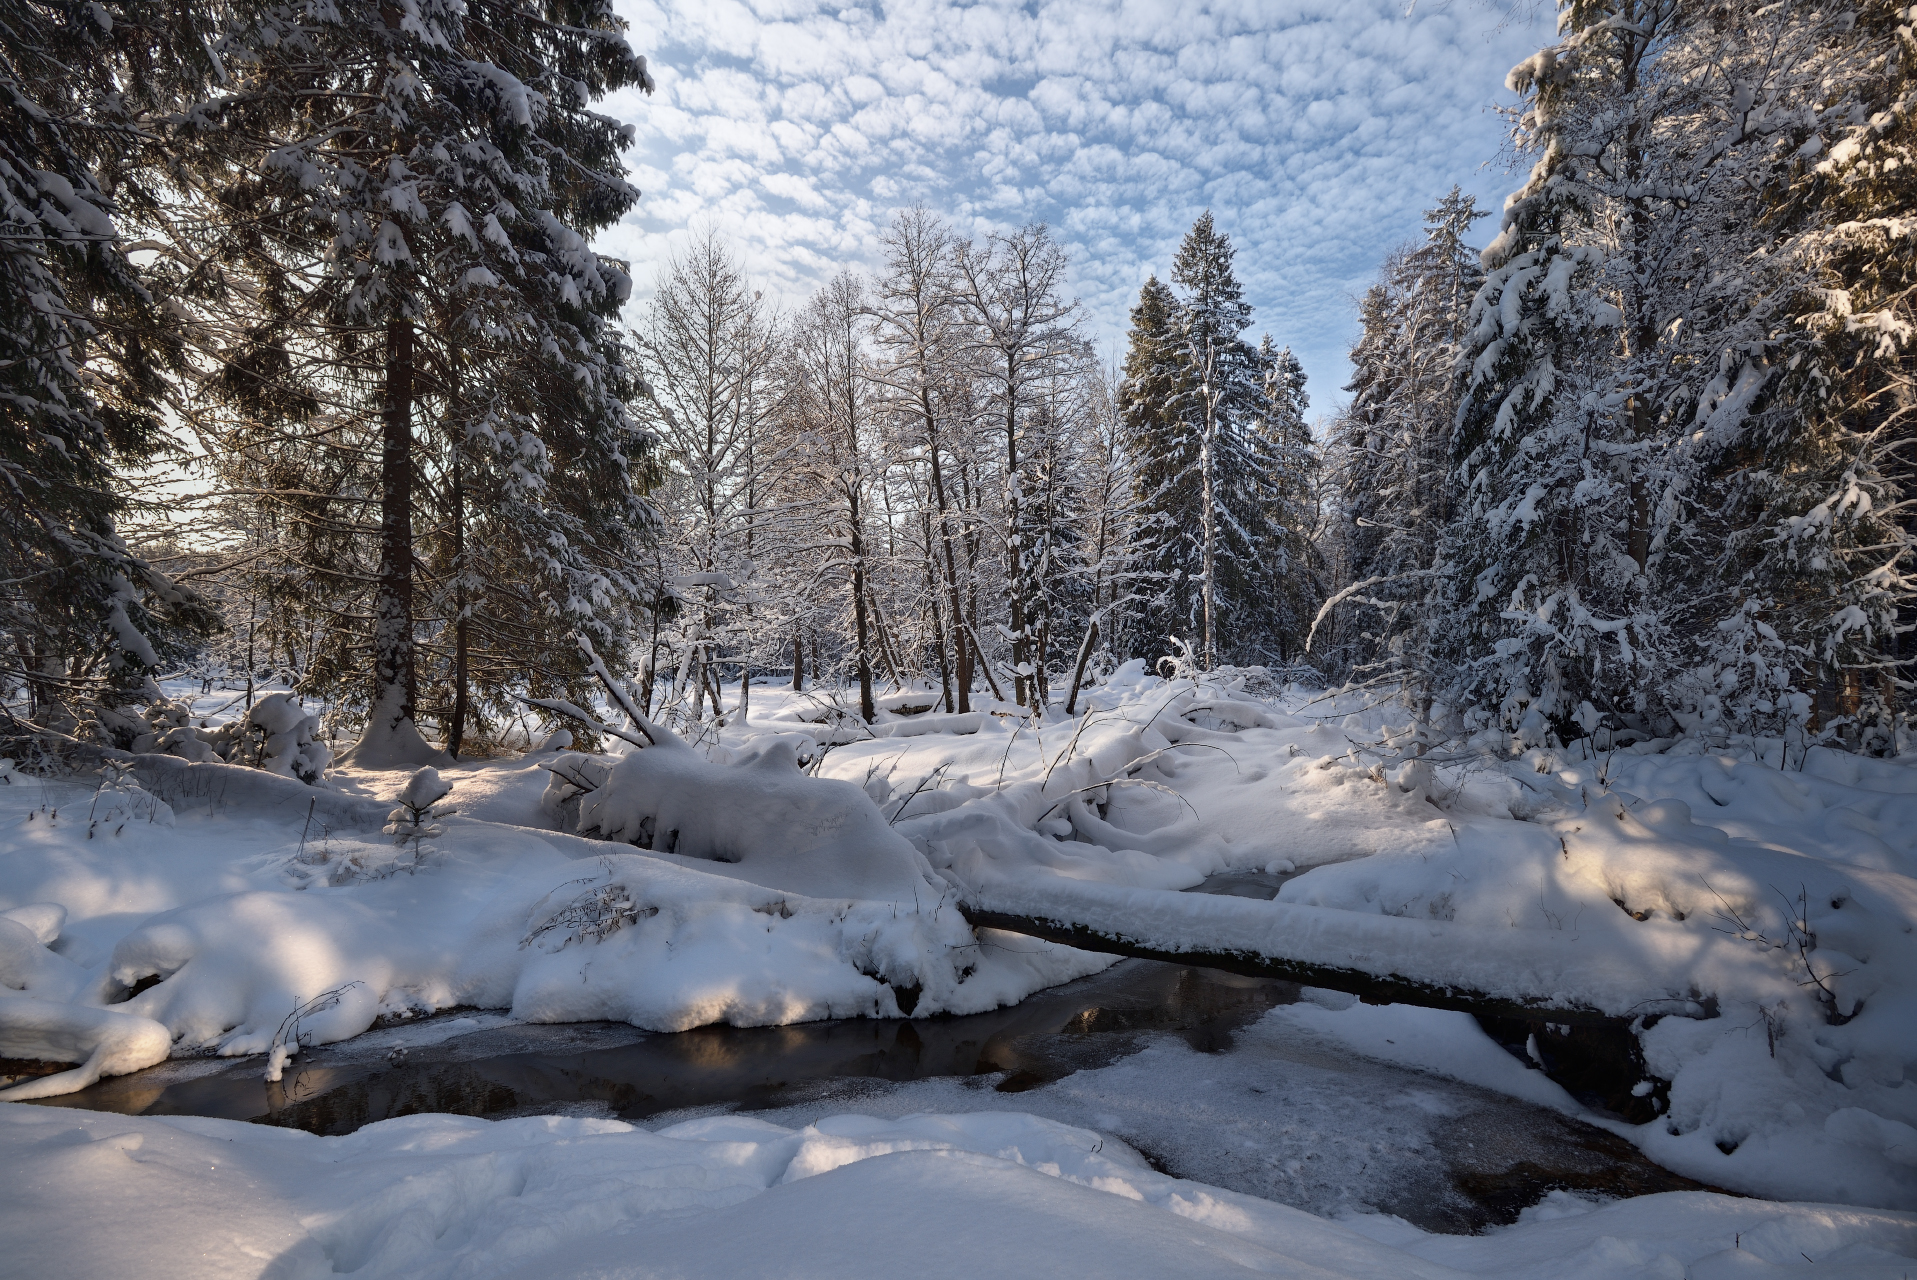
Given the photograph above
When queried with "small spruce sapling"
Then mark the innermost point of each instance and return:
(414, 818)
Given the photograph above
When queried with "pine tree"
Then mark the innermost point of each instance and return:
(1164, 457)
(1285, 455)
(1195, 400)
(1391, 456)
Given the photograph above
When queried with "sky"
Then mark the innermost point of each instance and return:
(1316, 131)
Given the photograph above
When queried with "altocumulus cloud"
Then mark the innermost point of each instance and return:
(1316, 130)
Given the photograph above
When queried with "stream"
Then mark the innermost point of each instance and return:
(1180, 1062)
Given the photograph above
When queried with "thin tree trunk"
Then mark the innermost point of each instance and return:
(985, 663)
(462, 650)
(652, 665)
(961, 654)
(1015, 551)
(1078, 671)
(395, 677)
(886, 649)
(798, 660)
(867, 709)
(932, 600)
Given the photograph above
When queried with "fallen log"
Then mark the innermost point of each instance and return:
(1369, 988)
(1532, 975)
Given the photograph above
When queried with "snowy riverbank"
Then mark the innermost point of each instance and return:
(1678, 882)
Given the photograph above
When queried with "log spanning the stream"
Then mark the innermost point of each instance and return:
(1538, 976)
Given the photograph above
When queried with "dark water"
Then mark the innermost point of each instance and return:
(615, 1069)
(1172, 1059)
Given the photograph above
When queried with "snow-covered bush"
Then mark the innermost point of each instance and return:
(277, 735)
(121, 799)
(288, 741)
(414, 818)
(816, 836)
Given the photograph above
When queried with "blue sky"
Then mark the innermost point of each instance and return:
(1315, 131)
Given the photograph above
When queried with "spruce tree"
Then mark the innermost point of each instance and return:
(85, 346)
(1164, 459)
(1391, 456)
(401, 201)
(1665, 523)
(1195, 399)
(1286, 457)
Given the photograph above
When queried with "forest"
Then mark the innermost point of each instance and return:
(517, 760)
(312, 376)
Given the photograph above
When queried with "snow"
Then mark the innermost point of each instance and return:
(105, 1042)
(848, 1195)
(1767, 913)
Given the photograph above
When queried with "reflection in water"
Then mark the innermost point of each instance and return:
(1279, 1116)
(616, 1069)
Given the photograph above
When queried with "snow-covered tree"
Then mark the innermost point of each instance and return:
(1195, 403)
(1285, 458)
(829, 412)
(385, 215)
(1663, 522)
(710, 350)
(922, 336)
(85, 346)
(1390, 457)
(1024, 337)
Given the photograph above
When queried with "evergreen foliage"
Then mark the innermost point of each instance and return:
(384, 222)
(1216, 430)
(85, 347)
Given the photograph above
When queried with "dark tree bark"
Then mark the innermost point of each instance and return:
(395, 678)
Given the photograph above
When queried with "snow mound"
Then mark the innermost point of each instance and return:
(636, 939)
(103, 1041)
(760, 814)
(991, 1193)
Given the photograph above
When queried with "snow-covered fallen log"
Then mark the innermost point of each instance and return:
(213, 786)
(1381, 959)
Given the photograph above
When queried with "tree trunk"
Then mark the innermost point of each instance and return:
(961, 652)
(1015, 560)
(985, 664)
(392, 738)
(1078, 672)
(887, 649)
(798, 660)
(932, 602)
(652, 664)
(867, 709)
(1640, 534)
(462, 649)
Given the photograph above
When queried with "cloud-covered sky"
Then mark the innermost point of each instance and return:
(1315, 130)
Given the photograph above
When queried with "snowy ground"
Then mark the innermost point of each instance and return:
(229, 921)
(850, 1196)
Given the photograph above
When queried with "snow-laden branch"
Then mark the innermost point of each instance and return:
(1434, 572)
